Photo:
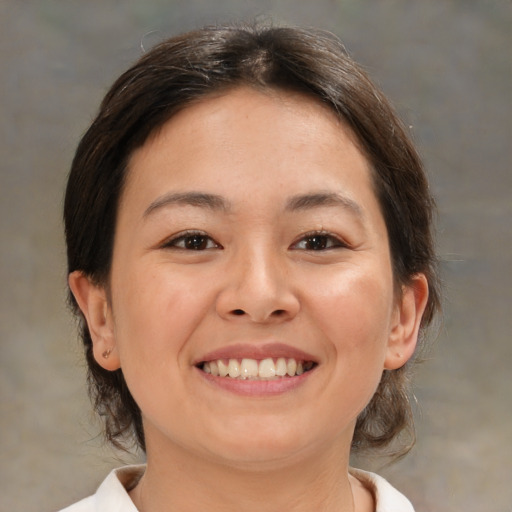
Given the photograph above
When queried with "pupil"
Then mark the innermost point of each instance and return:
(316, 243)
(196, 242)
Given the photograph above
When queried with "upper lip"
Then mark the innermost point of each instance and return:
(256, 351)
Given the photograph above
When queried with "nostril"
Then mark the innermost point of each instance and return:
(238, 312)
(278, 312)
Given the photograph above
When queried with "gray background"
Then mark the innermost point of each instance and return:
(446, 66)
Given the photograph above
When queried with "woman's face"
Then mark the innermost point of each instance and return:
(249, 231)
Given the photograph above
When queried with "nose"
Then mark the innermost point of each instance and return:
(258, 288)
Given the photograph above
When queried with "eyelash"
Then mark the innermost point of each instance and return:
(200, 241)
(329, 240)
(188, 236)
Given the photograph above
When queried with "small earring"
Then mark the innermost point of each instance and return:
(107, 353)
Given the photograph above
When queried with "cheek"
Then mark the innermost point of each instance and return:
(353, 316)
(353, 310)
(155, 313)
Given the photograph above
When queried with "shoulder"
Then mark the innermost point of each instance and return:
(112, 494)
(387, 498)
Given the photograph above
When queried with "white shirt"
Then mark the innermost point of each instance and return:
(112, 494)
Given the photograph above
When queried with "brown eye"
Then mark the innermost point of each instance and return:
(318, 242)
(196, 242)
(192, 242)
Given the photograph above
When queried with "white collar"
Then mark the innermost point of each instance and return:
(112, 495)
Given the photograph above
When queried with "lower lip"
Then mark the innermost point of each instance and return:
(257, 388)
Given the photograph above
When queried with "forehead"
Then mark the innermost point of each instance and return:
(245, 120)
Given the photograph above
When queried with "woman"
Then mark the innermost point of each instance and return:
(250, 251)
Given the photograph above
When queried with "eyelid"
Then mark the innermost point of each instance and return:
(339, 241)
(171, 242)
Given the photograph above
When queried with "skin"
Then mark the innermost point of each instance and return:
(258, 278)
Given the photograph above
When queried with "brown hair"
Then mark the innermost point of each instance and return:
(191, 66)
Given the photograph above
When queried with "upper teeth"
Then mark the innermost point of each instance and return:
(252, 368)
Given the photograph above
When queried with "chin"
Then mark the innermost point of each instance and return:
(260, 445)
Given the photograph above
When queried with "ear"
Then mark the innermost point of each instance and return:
(94, 304)
(406, 322)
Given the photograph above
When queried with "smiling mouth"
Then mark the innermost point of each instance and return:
(255, 369)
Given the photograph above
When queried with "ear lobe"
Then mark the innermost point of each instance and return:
(404, 332)
(93, 302)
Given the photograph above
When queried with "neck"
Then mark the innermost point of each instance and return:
(176, 480)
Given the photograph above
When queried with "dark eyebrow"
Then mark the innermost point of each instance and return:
(199, 199)
(319, 199)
